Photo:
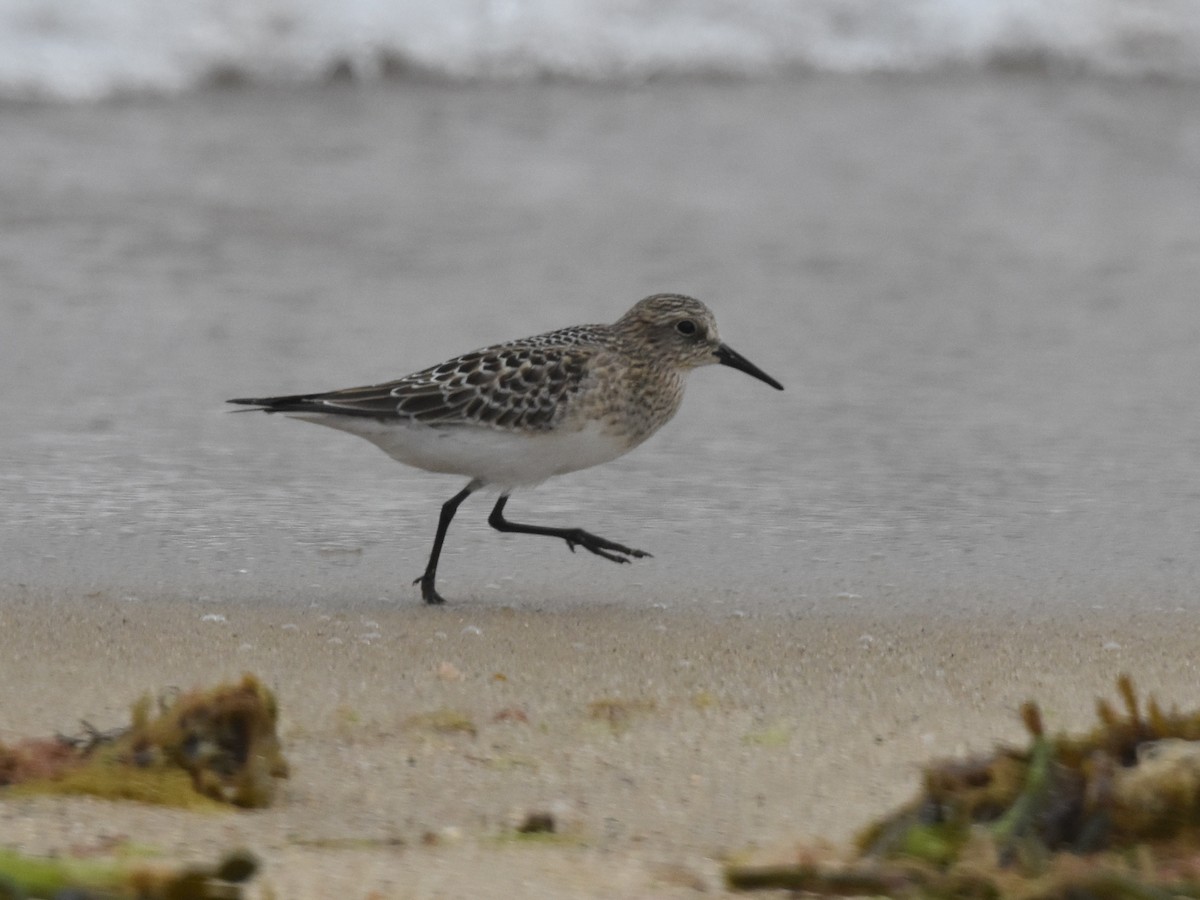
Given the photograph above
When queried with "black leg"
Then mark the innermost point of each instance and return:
(575, 537)
(428, 592)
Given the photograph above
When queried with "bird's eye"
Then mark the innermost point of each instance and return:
(686, 326)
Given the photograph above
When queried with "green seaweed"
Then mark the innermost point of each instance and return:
(442, 721)
(36, 877)
(1111, 814)
(203, 749)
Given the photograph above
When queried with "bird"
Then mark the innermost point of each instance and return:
(512, 415)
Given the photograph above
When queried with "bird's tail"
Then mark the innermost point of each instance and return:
(293, 403)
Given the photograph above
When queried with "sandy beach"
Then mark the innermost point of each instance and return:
(978, 488)
(731, 738)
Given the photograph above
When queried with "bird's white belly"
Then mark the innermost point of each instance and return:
(503, 459)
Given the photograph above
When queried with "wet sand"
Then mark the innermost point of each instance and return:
(978, 290)
(736, 736)
(979, 487)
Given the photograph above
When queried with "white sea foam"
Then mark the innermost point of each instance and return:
(81, 49)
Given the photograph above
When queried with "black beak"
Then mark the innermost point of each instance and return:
(727, 356)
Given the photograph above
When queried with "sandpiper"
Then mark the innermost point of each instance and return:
(512, 415)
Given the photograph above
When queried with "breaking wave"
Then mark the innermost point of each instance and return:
(92, 49)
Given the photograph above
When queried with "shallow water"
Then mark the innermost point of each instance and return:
(979, 290)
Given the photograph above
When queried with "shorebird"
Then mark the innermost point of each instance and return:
(512, 415)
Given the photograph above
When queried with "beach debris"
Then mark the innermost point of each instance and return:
(512, 714)
(54, 878)
(537, 823)
(442, 721)
(202, 747)
(619, 713)
(775, 734)
(447, 834)
(1112, 813)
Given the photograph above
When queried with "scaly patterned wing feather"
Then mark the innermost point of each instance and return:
(524, 384)
(512, 386)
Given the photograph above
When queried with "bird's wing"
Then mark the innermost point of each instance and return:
(522, 384)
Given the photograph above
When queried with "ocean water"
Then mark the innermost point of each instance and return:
(979, 288)
(88, 49)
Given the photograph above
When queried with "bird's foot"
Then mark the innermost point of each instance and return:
(618, 553)
(428, 592)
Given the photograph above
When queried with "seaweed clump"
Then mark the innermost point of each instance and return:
(1112, 813)
(39, 878)
(202, 747)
